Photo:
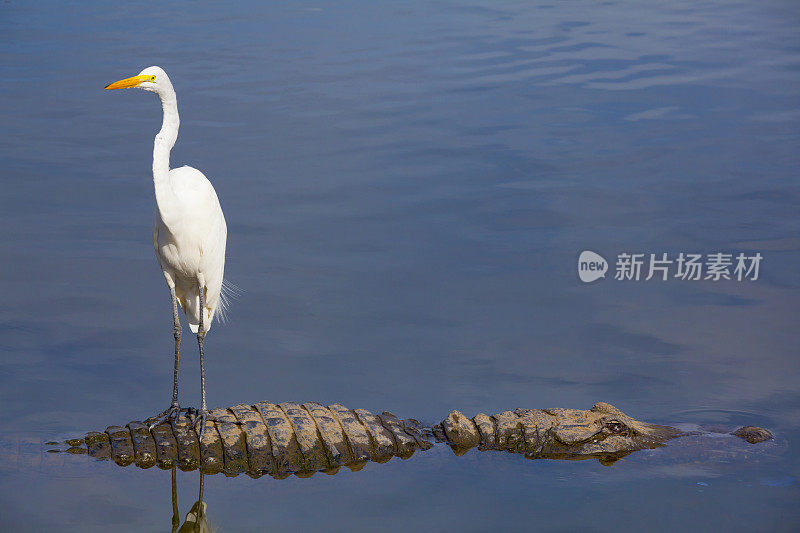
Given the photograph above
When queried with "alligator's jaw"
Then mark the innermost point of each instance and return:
(606, 447)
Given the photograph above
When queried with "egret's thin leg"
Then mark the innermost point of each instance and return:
(201, 335)
(177, 335)
(174, 409)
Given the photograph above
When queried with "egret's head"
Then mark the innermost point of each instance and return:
(152, 79)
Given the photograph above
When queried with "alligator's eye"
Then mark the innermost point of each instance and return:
(617, 427)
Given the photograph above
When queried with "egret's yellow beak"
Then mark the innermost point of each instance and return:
(130, 82)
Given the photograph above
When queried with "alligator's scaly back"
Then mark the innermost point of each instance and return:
(265, 438)
(301, 439)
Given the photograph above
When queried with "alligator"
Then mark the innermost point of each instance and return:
(286, 439)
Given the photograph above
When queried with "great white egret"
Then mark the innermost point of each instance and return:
(189, 235)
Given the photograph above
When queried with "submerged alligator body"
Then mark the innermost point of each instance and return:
(289, 438)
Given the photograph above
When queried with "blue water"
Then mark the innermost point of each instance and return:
(407, 188)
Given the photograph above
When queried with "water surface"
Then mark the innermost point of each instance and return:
(407, 188)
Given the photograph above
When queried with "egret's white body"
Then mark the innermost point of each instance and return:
(190, 231)
(189, 238)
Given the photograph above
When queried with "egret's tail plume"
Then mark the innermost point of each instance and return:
(230, 291)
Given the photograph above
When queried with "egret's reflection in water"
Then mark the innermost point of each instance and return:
(196, 520)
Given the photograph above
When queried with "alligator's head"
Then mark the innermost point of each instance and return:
(603, 432)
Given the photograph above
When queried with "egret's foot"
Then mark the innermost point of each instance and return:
(200, 416)
(172, 413)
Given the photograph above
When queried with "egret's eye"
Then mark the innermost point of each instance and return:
(152, 78)
(615, 426)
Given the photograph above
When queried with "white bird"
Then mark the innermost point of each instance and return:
(189, 236)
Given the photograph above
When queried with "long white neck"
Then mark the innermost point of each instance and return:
(164, 141)
(166, 138)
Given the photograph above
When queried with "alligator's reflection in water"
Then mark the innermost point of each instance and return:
(288, 438)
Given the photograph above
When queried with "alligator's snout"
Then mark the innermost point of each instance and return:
(753, 434)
